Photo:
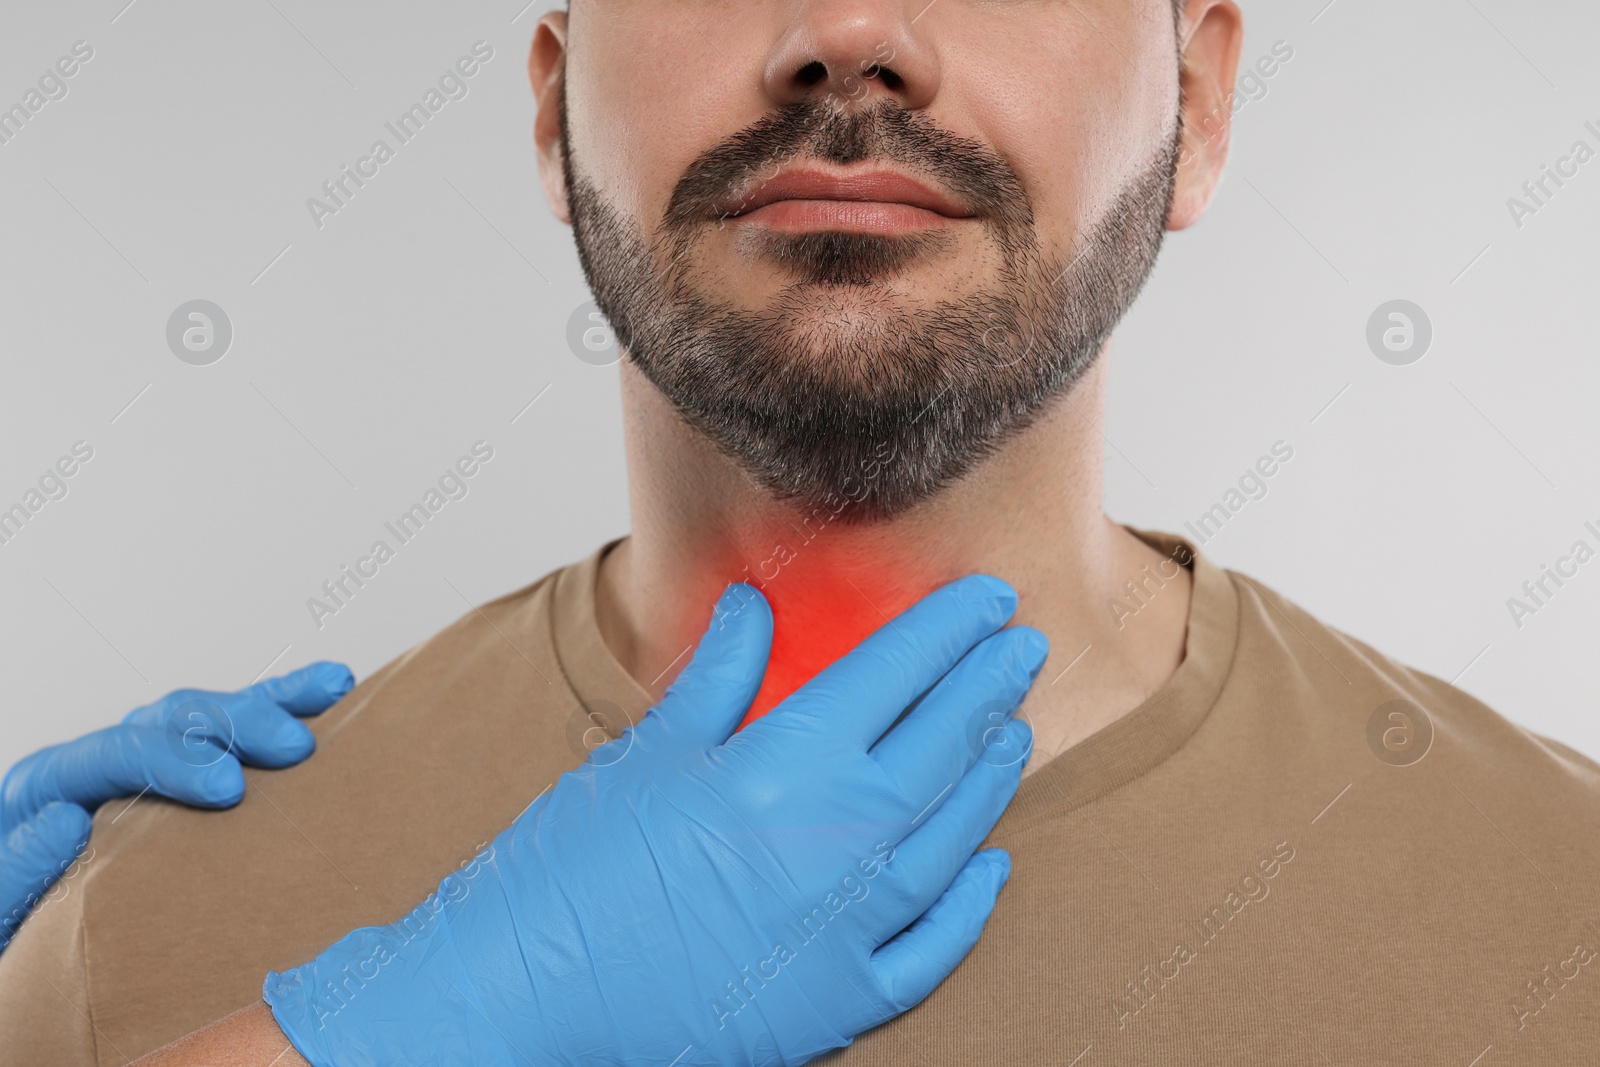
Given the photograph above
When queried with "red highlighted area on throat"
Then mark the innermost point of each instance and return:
(819, 614)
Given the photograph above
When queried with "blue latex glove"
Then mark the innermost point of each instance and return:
(691, 897)
(187, 746)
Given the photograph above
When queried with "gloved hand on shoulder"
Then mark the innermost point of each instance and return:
(187, 746)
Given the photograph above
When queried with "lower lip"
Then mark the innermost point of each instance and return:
(850, 216)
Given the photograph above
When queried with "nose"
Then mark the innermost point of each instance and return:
(853, 52)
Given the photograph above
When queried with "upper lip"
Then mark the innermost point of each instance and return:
(876, 185)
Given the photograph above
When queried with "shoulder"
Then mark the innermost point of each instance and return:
(182, 912)
(43, 982)
(1331, 687)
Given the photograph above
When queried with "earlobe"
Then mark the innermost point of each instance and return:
(547, 57)
(1212, 33)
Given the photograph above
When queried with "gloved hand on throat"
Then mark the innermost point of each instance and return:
(691, 895)
(187, 746)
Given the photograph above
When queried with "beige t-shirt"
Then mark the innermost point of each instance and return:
(1253, 867)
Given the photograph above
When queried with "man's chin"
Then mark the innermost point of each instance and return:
(831, 329)
(846, 304)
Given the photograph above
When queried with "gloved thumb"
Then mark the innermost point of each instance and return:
(33, 856)
(708, 700)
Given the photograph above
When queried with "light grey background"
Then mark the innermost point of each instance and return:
(425, 316)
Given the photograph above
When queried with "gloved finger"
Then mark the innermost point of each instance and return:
(122, 761)
(968, 709)
(708, 699)
(310, 690)
(158, 713)
(200, 726)
(33, 856)
(928, 858)
(255, 729)
(855, 699)
(913, 963)
(202, 776)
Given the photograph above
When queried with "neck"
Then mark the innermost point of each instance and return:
(1031, 514)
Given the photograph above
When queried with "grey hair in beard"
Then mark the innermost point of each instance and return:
(872, 419)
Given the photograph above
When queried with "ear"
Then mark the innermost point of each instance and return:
(1210, 37)
(547, 74)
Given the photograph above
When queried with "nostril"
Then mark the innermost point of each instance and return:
(891, 80)
(816, 73)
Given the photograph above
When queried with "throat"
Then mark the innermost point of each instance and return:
(821, 612)
(828, 587)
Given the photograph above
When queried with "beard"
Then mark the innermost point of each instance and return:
(839, 395)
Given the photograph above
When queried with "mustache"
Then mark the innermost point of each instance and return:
(812, 130)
